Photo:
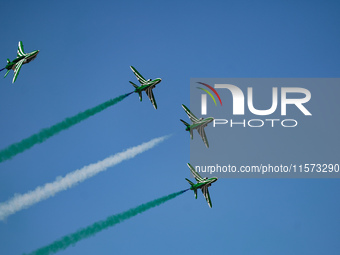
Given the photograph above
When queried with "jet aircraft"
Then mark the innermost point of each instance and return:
(198, 124)
(202, 183)
(22, 58)
(146, 85)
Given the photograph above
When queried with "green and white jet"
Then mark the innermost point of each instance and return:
(198, 124)
(22, 58)
(202, 183)
(146, 85)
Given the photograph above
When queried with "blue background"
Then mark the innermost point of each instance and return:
(86, 48)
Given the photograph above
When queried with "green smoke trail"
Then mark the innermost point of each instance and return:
(91, 230)
(46, 133)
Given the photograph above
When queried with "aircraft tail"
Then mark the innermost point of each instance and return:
(140, 95)
(192, 184)
(133, 84)
(185, 123)
(7, 73)
(188, 128)
(139, 92)
(8, 61)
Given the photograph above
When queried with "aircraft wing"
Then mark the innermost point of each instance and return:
(20, 51)
(17, 69)
(151, 96)
(140, 78)
(195, 174)
(191, 116)
(202, 134)
(205, 192)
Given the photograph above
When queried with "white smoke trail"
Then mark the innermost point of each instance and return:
(23, 201)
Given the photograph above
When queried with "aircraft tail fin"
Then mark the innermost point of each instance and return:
(133, 84)
(187, 127)
(192, 184)
(7, 73)
(185, 123)
(8, 61)
(139, 92)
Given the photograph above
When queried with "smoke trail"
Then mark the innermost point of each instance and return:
(46, 133)
(93, 229)
(22, 201)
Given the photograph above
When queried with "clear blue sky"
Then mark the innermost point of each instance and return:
(86, 48)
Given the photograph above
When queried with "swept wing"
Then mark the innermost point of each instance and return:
(151, 96)
(194, 173)
(140, 78)
(20, 52)
(202, 134)
(17, 69)
(191, 116)
(205, 192)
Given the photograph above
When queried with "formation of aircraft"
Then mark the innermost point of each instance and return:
(202, 183)
(146, 85)
(198, 124)
(22, 58)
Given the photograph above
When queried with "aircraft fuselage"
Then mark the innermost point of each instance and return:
(203, 123)
(28, 58)
(148, 84)
(206, 182)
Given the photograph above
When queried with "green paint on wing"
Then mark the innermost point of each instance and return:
(93, 229)
(46, 133)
